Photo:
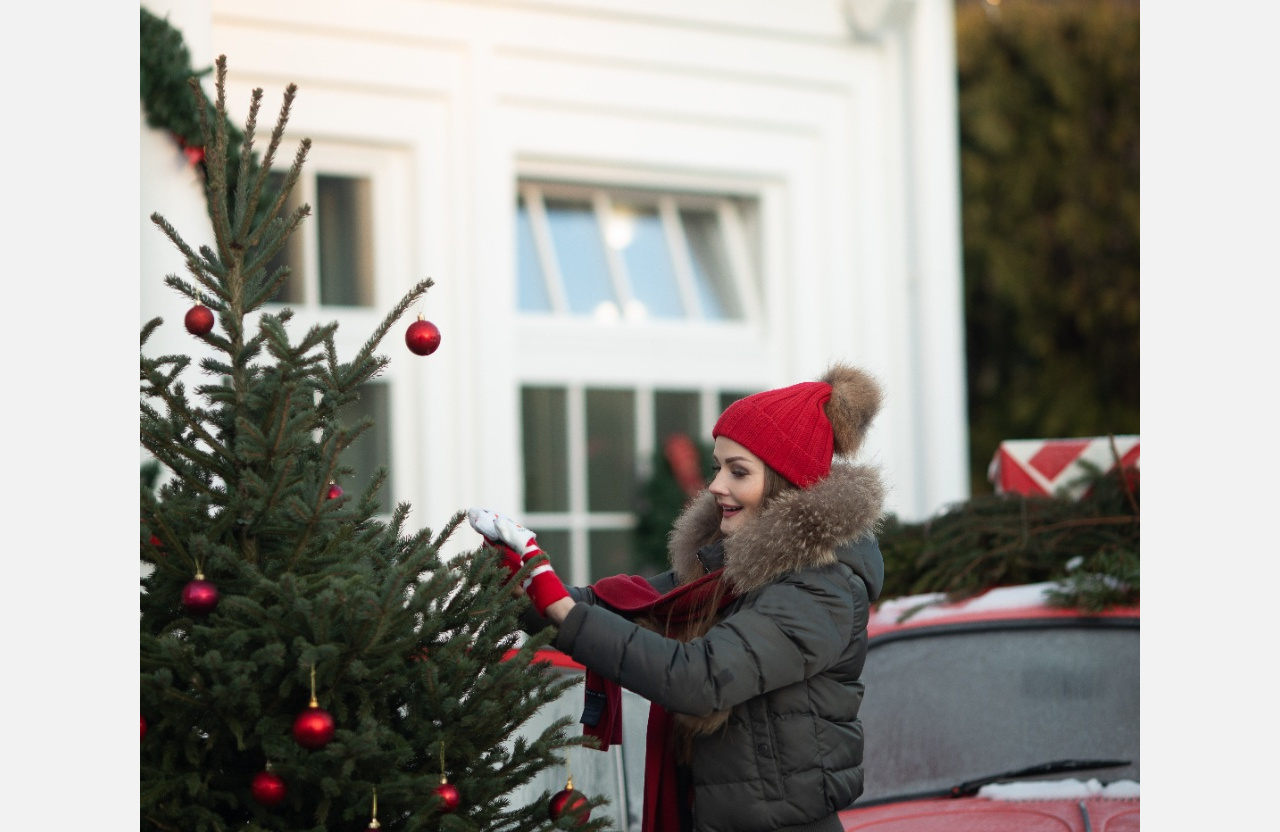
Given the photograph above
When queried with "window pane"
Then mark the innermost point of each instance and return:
(555, 542)
(675, 413)
(345, 229)
(373, 447)
(544, 430)
(531, 285)
(611, 453)
(727, 398)
(291, 253)
(636, 233)
(611, 553)
(711, 273)
(580, 254)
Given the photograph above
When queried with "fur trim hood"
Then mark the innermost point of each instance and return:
(798, 529)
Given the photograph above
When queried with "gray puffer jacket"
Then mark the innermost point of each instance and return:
(771, 692)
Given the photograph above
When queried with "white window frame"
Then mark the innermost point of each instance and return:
(577, 520)
(387, 169)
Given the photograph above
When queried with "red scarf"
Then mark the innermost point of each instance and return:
(634, 597)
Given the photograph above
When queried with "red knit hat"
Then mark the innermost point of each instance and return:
(791, 430)
(787, 428)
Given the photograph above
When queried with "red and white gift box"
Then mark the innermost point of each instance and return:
(1051, 467)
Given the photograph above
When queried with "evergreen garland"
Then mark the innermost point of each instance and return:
(164, 72)
(661, 500)
(173, 100)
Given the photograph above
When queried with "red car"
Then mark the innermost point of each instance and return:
(999, 713)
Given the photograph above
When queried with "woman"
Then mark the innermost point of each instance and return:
(751, 646)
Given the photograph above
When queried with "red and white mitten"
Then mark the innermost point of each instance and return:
(543, 586)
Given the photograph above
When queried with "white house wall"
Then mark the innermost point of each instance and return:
(847, 142)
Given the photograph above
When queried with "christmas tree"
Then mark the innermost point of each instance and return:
(306, 664)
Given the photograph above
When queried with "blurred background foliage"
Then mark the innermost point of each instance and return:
(1049, 151)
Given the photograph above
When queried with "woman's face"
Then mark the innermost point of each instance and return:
(738, 485)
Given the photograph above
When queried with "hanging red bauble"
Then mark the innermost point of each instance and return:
(157, 544)
(313, 728)
(199, 319)
(199, 597)
(570, 802)
(448, 794)
(267, 788)
(335, 491)
(144, 727)
(193, 152)
(422, 337)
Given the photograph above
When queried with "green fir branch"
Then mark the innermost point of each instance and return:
(1009, 539)
(409, 651)
(241, 217)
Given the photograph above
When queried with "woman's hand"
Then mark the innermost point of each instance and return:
(543, 586)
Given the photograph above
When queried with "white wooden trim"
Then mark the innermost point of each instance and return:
(679, 248)
(576, 418)
(740, 265)
(554, 281)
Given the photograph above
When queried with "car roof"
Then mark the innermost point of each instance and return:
(1010, 603)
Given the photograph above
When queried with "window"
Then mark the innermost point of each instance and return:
(372, 449)
(331, 255)
(585, 452)
(341, 258)
(672, 265)
(632, 255)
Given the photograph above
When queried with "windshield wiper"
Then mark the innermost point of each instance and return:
(971, 787)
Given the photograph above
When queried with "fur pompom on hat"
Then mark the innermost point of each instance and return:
(795, 430)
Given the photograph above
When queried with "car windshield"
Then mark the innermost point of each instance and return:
(955, 704)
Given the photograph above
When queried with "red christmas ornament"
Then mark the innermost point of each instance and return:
(199, 319)
(199, 597)
(267, 788)
(144, 727)
(448, 794)
(314, 727)
(157, 544)
(422, 337)
(571, 802)
(335, 491)
(193, 152)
